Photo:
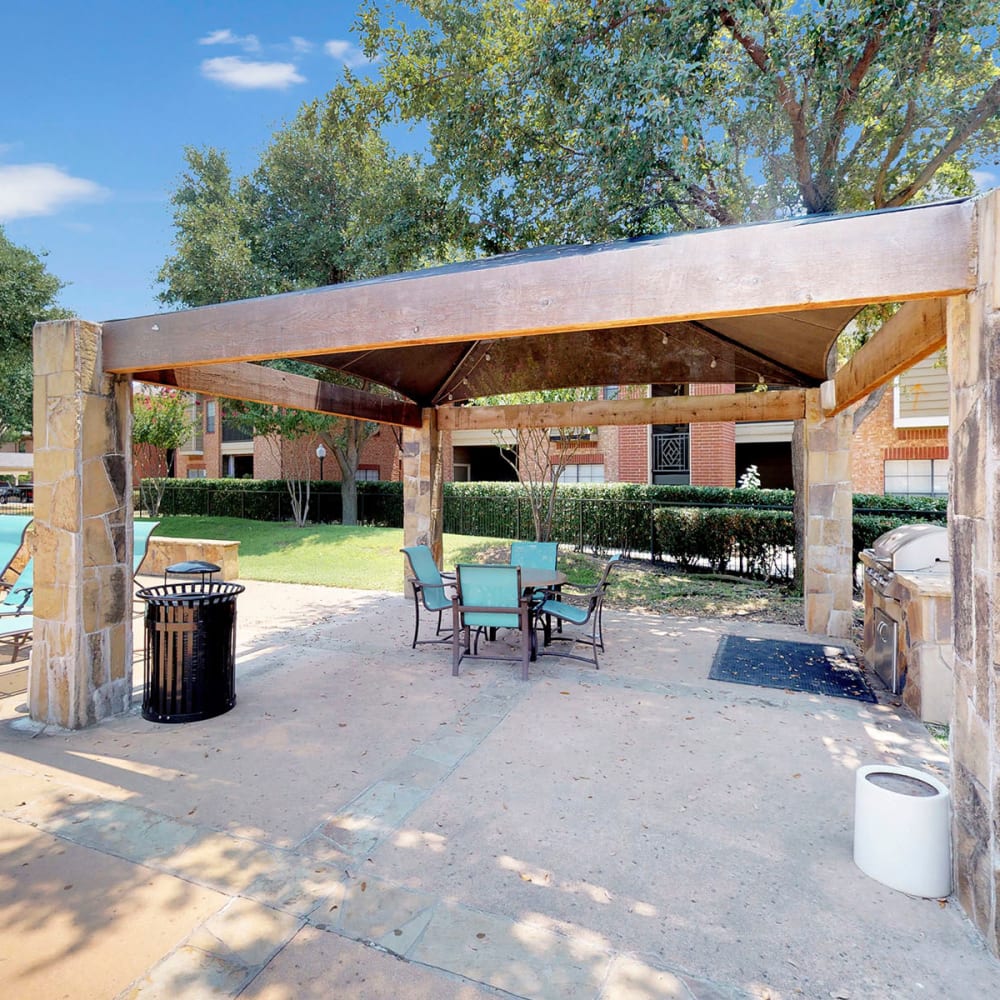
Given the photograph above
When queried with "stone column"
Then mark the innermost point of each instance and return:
(423, 488)
(827, 505)
(81, 658)
(974, 521)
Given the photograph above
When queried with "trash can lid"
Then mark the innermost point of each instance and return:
(194, 566)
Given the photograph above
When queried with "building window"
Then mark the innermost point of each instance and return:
(197, 473)
(210, 408)
(917, 476)
(195, 445)
(582, 474)
(367, 474)
(611, 391)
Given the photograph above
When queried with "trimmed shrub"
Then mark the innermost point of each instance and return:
(759, 539)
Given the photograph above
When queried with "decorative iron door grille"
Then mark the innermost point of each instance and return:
(671, 453)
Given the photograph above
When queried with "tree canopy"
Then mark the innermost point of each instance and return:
(27, 294)
(568, 120)
(329, 202)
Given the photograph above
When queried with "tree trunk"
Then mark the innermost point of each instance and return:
(348, 452)
(349, 498)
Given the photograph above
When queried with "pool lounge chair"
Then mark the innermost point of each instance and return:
(12, 529)
(16, 619)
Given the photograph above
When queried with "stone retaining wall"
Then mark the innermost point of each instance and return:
(164, 552)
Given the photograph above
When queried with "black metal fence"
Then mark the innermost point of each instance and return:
(721, 535)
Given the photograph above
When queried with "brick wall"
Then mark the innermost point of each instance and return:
(626, 448)
(713, 445)
(877, 441)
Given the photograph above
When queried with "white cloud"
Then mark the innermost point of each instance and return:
(348, 53)
(301, 44)
(249, 43)
(29, 189)
(245, 74)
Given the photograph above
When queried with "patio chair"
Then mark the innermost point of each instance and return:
(431, 588)
(16, 620)
(12, 529)
(534, 555)
(581, 607)
(490, 597)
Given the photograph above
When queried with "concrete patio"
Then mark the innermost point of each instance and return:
(362, 824)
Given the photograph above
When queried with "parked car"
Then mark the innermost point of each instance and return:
(9, 493)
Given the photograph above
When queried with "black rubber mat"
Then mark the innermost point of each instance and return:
(792, 666)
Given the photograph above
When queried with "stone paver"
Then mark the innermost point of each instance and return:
(363, 824)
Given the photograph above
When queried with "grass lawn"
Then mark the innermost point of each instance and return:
(365, 558)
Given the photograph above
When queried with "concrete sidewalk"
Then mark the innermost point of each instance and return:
(363, 824)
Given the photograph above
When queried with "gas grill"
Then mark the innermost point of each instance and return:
(910, 548)
(905, 566)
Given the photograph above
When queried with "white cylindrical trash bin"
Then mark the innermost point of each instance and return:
(902, 829)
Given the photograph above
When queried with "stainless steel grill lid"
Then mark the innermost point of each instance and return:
(912, 546)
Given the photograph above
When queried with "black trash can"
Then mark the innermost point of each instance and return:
(190, 656)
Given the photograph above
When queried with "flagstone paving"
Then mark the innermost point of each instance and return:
(363, 824)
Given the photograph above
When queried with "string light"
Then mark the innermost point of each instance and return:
(713, 364)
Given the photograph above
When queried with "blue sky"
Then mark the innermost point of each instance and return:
(99, 99)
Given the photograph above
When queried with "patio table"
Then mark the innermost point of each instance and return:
(538, 579)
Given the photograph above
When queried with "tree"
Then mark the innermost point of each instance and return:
(569, 121)
(15, 400)
(329, 202)
(541, 454)
(161, 423)
(573, 121)
(27, 295)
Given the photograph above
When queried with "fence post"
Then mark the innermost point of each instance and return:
(652, 532)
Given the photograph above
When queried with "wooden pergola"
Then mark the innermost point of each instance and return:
(743, 305)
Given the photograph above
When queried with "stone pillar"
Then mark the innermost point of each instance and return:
(423, 487)
(81, 658)
(974, 522)
(827, 505)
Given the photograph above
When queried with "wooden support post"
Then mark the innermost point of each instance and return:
(787, 404)
(912, 334)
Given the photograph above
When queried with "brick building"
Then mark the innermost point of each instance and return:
(901, 447)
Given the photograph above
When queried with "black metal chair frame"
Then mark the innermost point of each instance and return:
(579, 597)
(420, 590)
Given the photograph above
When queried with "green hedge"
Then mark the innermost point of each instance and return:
(761, 540)
(686, 524)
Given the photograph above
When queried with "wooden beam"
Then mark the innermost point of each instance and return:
(257, 384)
(799, 264)
(788, 404)
(917, 330)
